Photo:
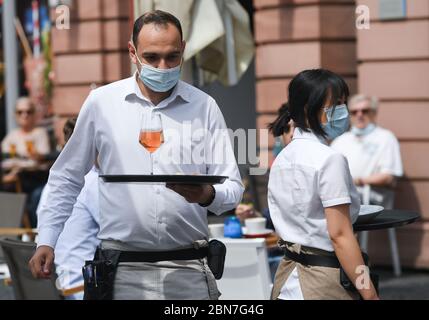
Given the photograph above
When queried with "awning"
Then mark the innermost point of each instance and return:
(217, 33)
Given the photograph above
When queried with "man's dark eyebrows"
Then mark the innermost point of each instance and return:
(174, 52)
(156, 54)
(149, 54)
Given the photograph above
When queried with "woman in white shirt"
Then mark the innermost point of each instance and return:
(312, 200)
(28, 141)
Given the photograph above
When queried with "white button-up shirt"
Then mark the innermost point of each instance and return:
(376, 152)
(78, 241)
(307, 177)
(19, 139)
(143, 216)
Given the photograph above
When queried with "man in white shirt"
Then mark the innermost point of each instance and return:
(373, 153)
(78, 240)
(146, 217)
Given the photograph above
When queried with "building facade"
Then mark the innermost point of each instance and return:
(93, 52)
(389, 60)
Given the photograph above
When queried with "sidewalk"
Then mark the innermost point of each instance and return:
(412, 285)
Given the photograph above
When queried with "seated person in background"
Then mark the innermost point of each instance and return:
(26, 148)
(27, 141)
(246, 210)
(373, 153)
(78, 241)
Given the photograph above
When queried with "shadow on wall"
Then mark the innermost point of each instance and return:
(410, 238)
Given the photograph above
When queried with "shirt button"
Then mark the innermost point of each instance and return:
(158, 191)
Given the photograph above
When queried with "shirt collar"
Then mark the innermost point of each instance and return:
(298, 133)
(180, 91)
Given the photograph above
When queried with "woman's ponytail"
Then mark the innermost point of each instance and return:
(281, 124)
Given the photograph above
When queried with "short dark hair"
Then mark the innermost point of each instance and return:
(69, 128)
(281, 124)
(308, 93)
(157, 17)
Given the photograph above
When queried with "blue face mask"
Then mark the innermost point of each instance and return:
(158, 80)
(363, 132)
(278, 146)
(338, 121)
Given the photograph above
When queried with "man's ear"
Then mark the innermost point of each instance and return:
(183, 47)
(132, 51)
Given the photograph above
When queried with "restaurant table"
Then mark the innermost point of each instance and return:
(388, 219)
(30, 174)
(17, 231)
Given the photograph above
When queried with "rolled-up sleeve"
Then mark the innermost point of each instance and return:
(221, 161)
(335, 181)
(67, 176)
(390, 159)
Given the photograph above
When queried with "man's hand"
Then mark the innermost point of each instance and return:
(384, 180)
(42, 262)
(202, 194)
(37, 156)
(12, 176)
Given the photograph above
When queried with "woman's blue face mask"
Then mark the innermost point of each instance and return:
(338, 121)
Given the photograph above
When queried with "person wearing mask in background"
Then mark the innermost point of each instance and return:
(373, 152)
(374, 158)
(78, 240)
(312, 200)
(283, 132)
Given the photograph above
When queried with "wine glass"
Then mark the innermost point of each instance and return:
(12, 150)
(30, 147)
(151, 133)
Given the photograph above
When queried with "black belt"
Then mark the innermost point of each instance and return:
(312, 260)
(317, 260)
(155, 256)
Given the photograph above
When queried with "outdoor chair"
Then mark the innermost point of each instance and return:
(25, 286)
(11, 210)
(363, 237)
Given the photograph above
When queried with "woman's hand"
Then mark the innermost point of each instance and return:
(36, 157)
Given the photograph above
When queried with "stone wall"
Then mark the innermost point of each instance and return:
(93, 52)
(394, 66)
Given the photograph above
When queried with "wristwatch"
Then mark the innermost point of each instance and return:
(211, 199)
